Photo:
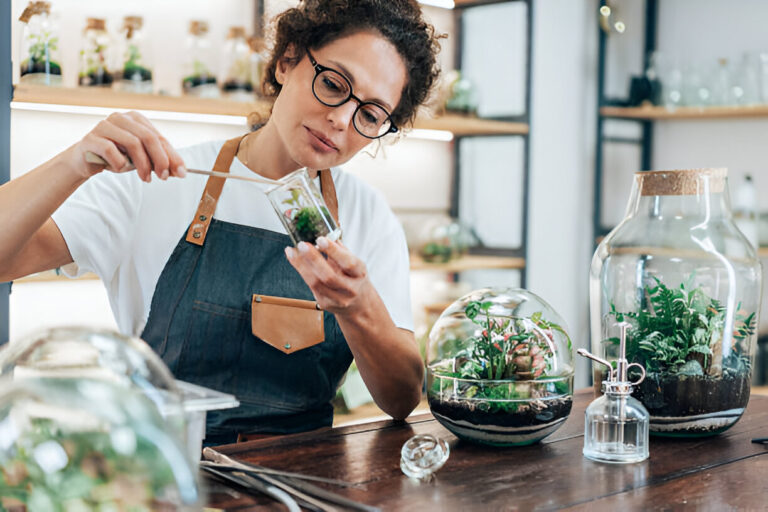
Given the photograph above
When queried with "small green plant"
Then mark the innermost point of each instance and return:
(307, 222)
(40, 47)
(132, 69)
(681, 331)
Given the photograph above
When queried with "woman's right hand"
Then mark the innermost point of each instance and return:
(127, 134)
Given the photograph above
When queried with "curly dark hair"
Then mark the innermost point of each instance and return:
(315, 23)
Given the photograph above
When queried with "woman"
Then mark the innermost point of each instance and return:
(197, 268)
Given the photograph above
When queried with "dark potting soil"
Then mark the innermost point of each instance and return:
(689, 395)
(195, 81)
(96, 79)
(136, 74)
(236, 85)
(28, 67)
(526, 414)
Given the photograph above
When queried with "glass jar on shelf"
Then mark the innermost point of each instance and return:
(95, 55)
(258, 62)
(135, 74)
(688, 282)
(199, 78)
(40, 58)
(236, 82)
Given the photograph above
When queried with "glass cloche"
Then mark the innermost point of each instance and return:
(91, 419)
(500, 368)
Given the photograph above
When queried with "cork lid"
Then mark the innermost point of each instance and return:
(33, 9)
(198, 27)
(256, 44)
(236, 33)
(95, 24)
(132, 24)
(680, 182)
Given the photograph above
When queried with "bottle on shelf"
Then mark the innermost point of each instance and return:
(745, 209)
(199, 78)
(258, 62)
(236, 79)
(135, 73)
(39, 46)
(95, 56)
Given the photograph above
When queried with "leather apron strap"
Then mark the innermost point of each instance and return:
(198, 228)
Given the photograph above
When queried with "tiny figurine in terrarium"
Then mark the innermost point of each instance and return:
(500, 368)
(135, 73)
(95, 61)
(40, 46)
(302, 209)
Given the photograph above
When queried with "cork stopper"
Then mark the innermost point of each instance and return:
(683, 182)
(236, 33)
(198, 27)
(95, 24)
(132, 24)
(33, 9)
(256, 44)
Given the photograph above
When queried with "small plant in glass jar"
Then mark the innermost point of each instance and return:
(95, 59)
(40, 46)
(499, 368)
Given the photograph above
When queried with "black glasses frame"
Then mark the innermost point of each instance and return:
(319, 68)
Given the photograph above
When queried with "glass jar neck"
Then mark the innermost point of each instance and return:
(689, 194)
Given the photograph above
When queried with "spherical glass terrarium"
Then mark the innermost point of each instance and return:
(500, 368)
(91, 419)
(681, 273)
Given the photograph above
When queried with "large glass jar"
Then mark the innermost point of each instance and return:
(136, 69)
(92, 420)
(199, 78)
(236, 78)
(40, 55)
(500, 368)
(95, 55)
(681, 273)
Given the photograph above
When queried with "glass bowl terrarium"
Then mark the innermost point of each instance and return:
(302, 209)
(91, 419)
(681, 273)
(500, 368)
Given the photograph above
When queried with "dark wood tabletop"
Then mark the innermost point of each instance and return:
(724, 472)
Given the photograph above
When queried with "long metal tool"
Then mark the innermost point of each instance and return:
(93, 158)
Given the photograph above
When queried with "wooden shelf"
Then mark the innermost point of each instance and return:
(50, 276)
(107, 98)
(662, 113)
(471, 262)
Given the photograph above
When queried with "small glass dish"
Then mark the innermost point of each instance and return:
(302, 209)
(422, 455)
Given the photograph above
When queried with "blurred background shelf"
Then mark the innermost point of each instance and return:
(681, 113)
(107, 98)
(469, 262)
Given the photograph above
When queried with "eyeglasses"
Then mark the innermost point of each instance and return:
(333, 89)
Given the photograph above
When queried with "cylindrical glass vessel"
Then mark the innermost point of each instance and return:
(199, 78)
(39, 47)
(681, 273)
(236, 71)
(95, 56)
(136, 68)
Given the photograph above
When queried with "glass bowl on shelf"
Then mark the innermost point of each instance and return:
(500, 368)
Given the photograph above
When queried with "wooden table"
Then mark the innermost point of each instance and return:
(724, 472)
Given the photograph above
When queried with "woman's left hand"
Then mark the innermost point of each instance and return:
(338, 282)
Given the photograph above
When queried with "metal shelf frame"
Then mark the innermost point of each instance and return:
(645, 141)
(520, 252)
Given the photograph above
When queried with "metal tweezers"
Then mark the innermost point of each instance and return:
(266, 480)
(760, 440)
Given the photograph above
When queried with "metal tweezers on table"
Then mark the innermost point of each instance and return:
(292, 489)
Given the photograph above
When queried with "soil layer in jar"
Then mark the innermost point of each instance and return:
(525, 414)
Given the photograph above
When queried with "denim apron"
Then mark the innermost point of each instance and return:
(203, 318)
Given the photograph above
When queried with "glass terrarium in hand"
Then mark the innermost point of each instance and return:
(302, 210)
(500, 368)
(95, 55)
(91, 419)
(40, 59)
(136, 70)
(679, 271)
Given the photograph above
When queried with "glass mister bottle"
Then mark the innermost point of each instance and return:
(39, 46)
(616, 424)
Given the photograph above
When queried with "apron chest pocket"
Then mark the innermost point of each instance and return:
(287, 324)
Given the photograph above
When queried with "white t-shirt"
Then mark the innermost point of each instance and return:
(124, 230)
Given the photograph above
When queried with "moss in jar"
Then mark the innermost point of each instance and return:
(132, 70)
(237, 85)
(41, 45)
(309, 224)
